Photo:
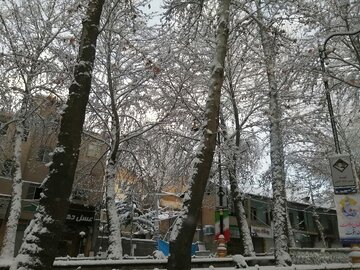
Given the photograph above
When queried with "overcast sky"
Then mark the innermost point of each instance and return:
(155, 6)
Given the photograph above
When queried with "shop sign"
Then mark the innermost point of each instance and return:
(79, 216)
(348, 215)
(262, 232)
(342, 174)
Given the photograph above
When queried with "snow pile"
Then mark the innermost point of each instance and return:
(239, 261)
(157, 254)
(319, 256)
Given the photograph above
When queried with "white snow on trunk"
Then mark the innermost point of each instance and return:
(282, 256)
(246, 235)
(319, 226)
(8, 247)
(31, 239)
(115, 247)
(181, 217)
(280, 238)
(187, 195)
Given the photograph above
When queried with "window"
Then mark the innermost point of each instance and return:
(291, 218)
(253, 212)
(44, 154)
(33, 192)
(209, 230)
(301, 216)
(234, 232)
(8, 168)
(268, 217)
(94, 150)
(328, 226)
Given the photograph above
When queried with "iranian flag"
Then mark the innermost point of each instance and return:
(226, 228)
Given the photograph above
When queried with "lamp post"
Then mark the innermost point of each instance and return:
(221, 248)
(133, 206)
(156, 223)
(82, 235)
(101, 230)
(221, 192)
(323, 53)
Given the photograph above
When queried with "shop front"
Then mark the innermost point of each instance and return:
(78, 232)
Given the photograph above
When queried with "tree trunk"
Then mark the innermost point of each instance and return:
(184, 229)
(115, 246)
(8, 247)
(239, 209)
(39, 248)
(236, 194)
(319, 226)
(268, 41)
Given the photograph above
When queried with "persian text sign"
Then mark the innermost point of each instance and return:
(348, 214)
(262, 232)
(342, 174)
(80, 216)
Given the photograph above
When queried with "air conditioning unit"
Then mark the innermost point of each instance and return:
(209, 230)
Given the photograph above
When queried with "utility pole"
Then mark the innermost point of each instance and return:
(343, 176)
(221, 192)
(324, 60)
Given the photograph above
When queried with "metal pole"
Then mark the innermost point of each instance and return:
(221, 192)
(323, 57)
(131, 227)
(157, 225)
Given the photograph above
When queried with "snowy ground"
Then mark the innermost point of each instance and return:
(109, 265)
(305, 259)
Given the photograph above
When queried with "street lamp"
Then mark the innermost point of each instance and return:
(101, 230)
(133, 206)
(221, 192)
(82, 235)
(323, 53)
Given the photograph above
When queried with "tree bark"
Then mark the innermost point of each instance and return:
(281, 249)
(115, 246)
(39, 248)
(319, 226)
(181, 239)
(8, 247)
(236, 194)
(239, 209)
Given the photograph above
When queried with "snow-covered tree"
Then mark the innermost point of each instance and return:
(39, 248)
(181, 239)
(28, 33)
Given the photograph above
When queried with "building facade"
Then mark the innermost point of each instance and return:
(260, 221)
(38, 144)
